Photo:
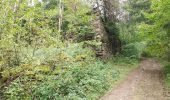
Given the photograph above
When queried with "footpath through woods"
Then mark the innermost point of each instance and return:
(144, 83)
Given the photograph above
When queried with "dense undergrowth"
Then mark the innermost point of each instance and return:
(69, 74)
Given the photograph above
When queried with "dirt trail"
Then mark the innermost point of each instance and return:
(145, 83)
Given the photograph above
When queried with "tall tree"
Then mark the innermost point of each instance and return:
(158, 31)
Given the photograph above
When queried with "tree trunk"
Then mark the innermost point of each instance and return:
(61, 10)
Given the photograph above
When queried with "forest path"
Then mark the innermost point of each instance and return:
(144, 83)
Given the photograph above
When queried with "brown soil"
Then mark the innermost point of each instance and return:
(144, 83)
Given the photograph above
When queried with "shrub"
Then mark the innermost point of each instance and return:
(65, 73)
(133, 50)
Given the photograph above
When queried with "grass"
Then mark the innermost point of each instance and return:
(166, 69)
(124, 66)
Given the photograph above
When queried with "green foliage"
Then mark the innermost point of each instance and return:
(133, 50)
(157, 32)
(166, 68)
(75, 83)
(133, 42)
(77, 23)
(135, 8)
(25, 27)
(148, 23)
(112, 29)
(64, 73)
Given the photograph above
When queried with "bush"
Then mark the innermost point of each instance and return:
(65, 73)
(76, 83)
(133, 50)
